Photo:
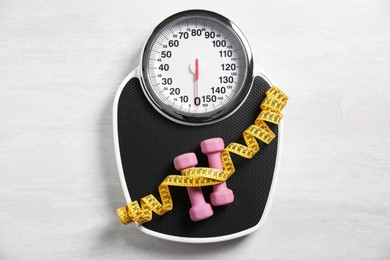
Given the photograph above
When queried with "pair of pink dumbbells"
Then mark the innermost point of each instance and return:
(221, 195)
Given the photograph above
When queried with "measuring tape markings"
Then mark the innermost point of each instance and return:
(271, 107)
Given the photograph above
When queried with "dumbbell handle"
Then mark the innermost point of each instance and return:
(216, 163)
(215, 160)
(196, 195)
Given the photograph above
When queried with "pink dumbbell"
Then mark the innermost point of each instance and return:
(213, 147)
(200, 209)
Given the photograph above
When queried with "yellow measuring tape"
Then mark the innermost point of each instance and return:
(271, 107)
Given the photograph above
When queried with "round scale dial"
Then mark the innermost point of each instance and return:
(196, 67)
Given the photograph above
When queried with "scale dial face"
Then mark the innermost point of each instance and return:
(196, 67)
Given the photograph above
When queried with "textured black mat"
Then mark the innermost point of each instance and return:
(148, 143)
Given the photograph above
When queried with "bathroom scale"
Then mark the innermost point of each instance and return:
(197, 133)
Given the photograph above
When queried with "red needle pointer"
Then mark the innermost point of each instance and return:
(196, 81)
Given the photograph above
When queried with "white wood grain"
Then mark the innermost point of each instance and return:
(60, 65)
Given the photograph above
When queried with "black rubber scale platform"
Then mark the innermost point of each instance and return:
(148, 143)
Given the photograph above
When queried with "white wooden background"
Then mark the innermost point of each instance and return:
(62, 61)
